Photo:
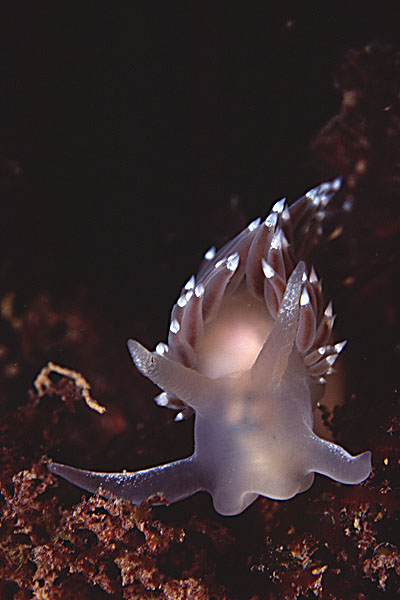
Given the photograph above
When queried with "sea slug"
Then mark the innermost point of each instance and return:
(249, 347)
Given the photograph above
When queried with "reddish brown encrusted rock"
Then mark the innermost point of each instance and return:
(99, 544)
(362, 141)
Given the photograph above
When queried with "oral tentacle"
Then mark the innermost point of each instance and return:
(175, 481)
(335, 462)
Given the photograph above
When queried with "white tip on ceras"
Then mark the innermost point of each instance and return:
(190, 284)
(211, 252)
(254, 224)
(161, 399)
(174, 326)
(279, 206)
(313, 276)
(161, 349)
(329, 310)
(267, 269)
(188, 385)
(271, 220)
(337, 183)
(339, 346)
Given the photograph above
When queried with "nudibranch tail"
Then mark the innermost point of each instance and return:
(175, 481)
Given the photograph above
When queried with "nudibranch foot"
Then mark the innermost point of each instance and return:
(249, 350)
(231, 505)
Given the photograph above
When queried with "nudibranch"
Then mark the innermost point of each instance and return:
(249, 348)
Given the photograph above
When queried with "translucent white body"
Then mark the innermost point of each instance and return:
(247, 351)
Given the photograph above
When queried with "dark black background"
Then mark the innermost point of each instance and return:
(136, 123)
